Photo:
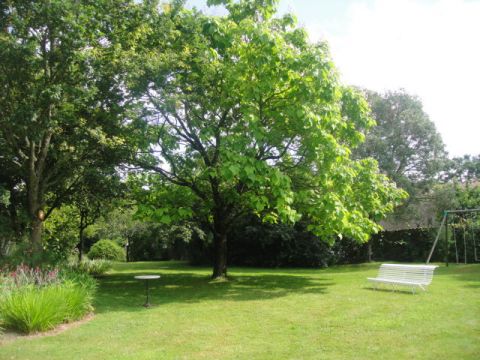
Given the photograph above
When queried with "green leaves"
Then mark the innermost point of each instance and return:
(264, 126)
(161, 202)
(405, 143)
(64, 66)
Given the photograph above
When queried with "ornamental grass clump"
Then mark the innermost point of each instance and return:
(36, 300)
(96, 267)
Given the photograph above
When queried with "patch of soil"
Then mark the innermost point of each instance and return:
(7, 336)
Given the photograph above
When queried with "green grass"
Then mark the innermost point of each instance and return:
(269, 314)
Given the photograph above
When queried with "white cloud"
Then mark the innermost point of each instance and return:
(430, 48)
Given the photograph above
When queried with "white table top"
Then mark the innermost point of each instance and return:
(147, 277)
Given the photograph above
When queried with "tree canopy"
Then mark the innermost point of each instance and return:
(464, 169)
(249, 117)
(405, 142)
(224, 116)
(62, 71)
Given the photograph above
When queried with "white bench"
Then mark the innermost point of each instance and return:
(406, 275)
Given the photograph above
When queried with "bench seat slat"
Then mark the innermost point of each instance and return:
(392, 281)
(401, 274)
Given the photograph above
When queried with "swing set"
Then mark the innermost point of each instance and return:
(464, 227)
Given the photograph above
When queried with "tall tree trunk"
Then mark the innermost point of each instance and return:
(36, 223)
(220, 245)
(83, 225)
(220, 260)
(33, 210)
(36, 236)
(369, 250)
(127, 250)
(80, 243)
(36, 188)
(220, 216)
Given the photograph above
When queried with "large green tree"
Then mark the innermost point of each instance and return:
(405, 142)
(62, 94)
(250, 117)
(409, 150)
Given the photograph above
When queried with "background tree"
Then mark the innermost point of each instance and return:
(460, 185)
(409, 150)
(12, 216)
(464, 169)
(250, 118)
(60, 235)
(96, 195)
(62, 71)
(12, 198)
(405, 142)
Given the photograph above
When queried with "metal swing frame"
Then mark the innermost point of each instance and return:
(444, 224)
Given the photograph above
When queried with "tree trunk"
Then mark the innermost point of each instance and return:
(220, 227)
(80, 243)
(36, 236)
(369, 250)
(83, 225)
(34, 208)
(36, 188)
(127, 248)
(220, 260)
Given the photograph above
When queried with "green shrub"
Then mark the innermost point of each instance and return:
(34, 299)
(107, 250)
(94, 267)
(77, 300)
(79, 278)
(31, 309)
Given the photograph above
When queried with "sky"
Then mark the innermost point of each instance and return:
(430, 48)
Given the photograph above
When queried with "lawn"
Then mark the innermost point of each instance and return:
(269, 314)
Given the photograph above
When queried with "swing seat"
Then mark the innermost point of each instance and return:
(415, 276)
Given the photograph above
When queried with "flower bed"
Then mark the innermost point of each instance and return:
(33, 299)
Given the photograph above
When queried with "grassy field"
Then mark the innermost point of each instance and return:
(269, 314)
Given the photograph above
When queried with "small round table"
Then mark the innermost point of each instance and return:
(146, 278)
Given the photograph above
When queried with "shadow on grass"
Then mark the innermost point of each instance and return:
(405, 291)
(340, 269)
(121, 292)
(468, 273)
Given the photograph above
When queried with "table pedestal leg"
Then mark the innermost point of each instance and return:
(147, 303)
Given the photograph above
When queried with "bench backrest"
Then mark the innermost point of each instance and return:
(422, 274)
